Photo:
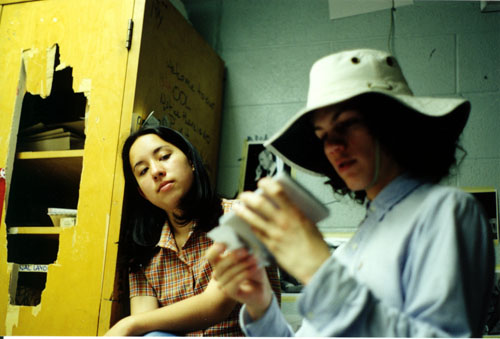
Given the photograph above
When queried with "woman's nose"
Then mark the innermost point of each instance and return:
(157, 171)
(334, 145)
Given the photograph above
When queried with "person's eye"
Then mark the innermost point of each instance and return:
(143, 171)
(344, 126)
(165, 156)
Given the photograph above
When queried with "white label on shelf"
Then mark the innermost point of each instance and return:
(33, 268)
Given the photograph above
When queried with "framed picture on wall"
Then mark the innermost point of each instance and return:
(488, 198)
(257, 163)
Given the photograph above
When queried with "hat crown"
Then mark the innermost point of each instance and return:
(344, 76)
(339, 76)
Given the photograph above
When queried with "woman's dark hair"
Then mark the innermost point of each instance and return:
(424, 146)
(143, 222)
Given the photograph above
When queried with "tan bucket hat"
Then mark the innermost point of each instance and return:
(342, 76)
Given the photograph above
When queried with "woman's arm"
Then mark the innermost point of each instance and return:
(140, 304)
(195, 313)
(446, 273)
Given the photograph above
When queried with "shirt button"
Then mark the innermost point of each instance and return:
(360, 265)
(354, 246)
(310, 315)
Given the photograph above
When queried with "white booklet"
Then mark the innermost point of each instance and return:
(235, 233)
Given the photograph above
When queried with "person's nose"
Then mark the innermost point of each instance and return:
(157, 171)
(334, 145)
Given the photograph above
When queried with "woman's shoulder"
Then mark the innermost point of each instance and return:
(438, 194)
(440, 201)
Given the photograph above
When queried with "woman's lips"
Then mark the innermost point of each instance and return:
(344, 165)
(165, 186)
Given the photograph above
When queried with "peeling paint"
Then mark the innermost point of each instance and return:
(85, 87)
(29, 53)
(61, 66)
(105, 247)
(11, 319)
(74, 240)
(36, 309)
(49, 75)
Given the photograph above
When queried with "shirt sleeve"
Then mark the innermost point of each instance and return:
(271, 324)
(139, 285)
(447, 277)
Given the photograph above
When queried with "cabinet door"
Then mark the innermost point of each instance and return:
(90, 38)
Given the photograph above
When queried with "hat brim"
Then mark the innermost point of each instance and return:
(300, 148)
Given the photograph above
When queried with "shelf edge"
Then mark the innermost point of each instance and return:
(50, 154)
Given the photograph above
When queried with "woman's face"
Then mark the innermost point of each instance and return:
(351, 150)
(163, 172)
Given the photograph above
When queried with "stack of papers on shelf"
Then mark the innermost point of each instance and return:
(62, 217)
(60, 136)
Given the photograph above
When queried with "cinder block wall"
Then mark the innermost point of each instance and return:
(446, 48)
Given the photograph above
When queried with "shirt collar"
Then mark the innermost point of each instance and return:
(392, 194)
(167, 239)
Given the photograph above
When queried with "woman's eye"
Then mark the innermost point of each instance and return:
(165, 157)
(143, 171)
(344, 126)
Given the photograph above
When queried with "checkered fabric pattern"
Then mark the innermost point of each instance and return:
(174, 275)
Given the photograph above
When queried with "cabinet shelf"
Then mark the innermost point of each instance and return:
(66, 166)
(41, 230)
(41, 180)
(50, 154)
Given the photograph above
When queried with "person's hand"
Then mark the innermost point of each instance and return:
(296, 243)
(239, 277)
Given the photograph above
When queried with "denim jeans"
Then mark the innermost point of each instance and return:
(159, 334)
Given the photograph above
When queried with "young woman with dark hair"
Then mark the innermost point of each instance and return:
(168, 209)
(421, 262)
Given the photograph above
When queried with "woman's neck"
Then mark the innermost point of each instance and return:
(180, 232)
(389, 170)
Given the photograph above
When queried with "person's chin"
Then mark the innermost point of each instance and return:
(355, 185)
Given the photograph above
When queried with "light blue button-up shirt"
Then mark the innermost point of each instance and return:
(420, 265)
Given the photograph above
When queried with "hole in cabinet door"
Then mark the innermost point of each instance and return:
(30, 255)
(54, 123)
(29, 288)
(42, 175)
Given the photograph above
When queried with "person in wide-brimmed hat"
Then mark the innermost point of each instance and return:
(421, 263)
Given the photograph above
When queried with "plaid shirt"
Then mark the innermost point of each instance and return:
(174, 275)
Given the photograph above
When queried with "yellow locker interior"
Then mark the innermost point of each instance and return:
(125, 58)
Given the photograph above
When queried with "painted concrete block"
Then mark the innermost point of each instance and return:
(269, 75)
(227, 181)
(429, 64)
(480, 173)
(478, 57)
(256, 123)
(480, 136)
(257, 23)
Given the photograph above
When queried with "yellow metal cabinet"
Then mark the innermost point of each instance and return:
(123, 59)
